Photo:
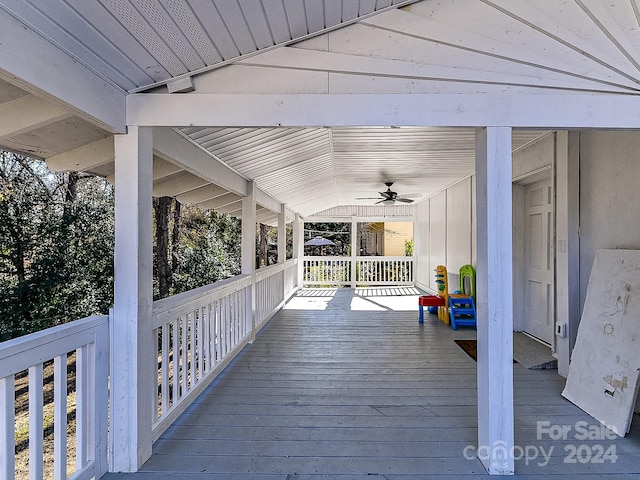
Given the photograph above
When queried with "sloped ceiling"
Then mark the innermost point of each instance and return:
(296, 46)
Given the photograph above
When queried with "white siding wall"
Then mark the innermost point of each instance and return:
(437, 234)
(446, 223)
(609, 196)
(445, 233)
(458, 229)
(423, 269)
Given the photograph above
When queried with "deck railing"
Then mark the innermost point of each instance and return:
(89, 340)
(384, 271)
(368, 271)
(326, 271)
(197, 334)
(290, 275)
(269, 292)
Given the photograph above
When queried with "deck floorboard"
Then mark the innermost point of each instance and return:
(346, 385)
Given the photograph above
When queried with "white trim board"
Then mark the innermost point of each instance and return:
(604, 369)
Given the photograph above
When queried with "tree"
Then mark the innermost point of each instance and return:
(57, 243)
(163, 269)
(56, 246)
(208, 248)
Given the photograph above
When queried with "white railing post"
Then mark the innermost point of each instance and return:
(354, 251)
(131, 340)
(298, 249)
(36, 420)
(99, 360)
(7, 438)
(249, 255)
(282, 244)
(495, 298)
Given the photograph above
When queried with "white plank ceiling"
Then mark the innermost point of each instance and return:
(321, 47)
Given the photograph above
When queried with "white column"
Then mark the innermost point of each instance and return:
(132, 356)
(494, 286)
(354, 250)
(567, 176)
(249, 254)
(282, 246)
(282, 234)
(298, 247)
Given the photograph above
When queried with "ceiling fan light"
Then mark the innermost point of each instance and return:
(388, 201)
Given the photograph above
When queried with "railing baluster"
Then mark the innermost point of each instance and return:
(237, 317)
(206, 328)
(193, 347)
(7, 436)
(223, 324)
(60, 417)
(36, 433)
(165, 368)
(82, 409)
(175, 355)
(156, 379)
(184, 355)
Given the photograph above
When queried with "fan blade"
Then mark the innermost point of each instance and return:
(367, 198)
(411, 195)
(404, 200)
(387, 194)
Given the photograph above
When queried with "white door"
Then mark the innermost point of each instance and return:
(539, 256)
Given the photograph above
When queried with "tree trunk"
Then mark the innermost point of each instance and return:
(264, 261)
(70, 195)
(162, 207)
(175, 234)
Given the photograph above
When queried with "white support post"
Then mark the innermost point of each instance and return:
(282, 234)
(495, 299)
(249, 253)
(132, 355)
(567, 177)
(298, 248)
(354, 250)
(282, 245)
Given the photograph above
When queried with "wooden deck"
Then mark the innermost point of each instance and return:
(347, 385)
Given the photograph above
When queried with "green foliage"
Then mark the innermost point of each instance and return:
(408, 248)
(56, 244)
(57, 241)
(209, 249)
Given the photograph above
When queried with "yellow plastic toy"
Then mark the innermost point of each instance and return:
(443, 291)
(459, 305)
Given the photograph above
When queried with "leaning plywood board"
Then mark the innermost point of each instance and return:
(605, 364)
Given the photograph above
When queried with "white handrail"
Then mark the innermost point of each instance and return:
(89, 339)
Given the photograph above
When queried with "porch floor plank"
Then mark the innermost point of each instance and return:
(348, 385)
